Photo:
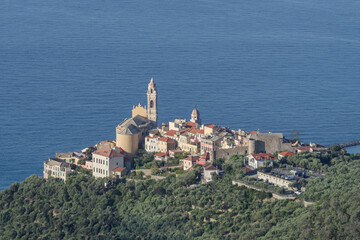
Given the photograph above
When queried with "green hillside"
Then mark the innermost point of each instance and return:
(83, 208)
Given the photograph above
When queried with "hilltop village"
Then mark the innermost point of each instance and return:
(182, 145)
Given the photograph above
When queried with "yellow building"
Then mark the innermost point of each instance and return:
(139, 110)
(130, 134)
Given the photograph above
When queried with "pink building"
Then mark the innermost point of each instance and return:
(89, 165)
(189, 162)
(203, 159)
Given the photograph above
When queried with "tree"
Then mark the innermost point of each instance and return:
(154, 169)
(81, 161)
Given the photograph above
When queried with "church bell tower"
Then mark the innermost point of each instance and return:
(152, 102)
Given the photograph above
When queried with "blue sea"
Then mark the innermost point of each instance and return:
(70, 71)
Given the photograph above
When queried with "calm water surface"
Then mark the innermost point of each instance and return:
(70, 71)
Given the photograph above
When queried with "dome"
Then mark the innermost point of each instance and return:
(195, 112)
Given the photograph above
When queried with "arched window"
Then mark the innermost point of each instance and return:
(151, 104)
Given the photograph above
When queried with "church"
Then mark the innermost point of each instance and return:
(130, 134)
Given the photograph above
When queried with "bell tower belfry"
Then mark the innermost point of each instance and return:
(152, 102)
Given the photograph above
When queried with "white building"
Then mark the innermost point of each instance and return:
(56, 168)
(152, 143)
(256, 160)
(275, 180)
(105, 160)
(189, 162)
(177, 124)
(208, 171)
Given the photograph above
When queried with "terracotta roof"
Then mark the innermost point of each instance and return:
(210, 167)
(210, 125)
(253, 132)
(191, 124)
(118, 169)
(108, 152)
(121, 150)
(183, 133)
(262, 156)
(155, 136)
(287, 153)
(304, 148)
(171, 133)
(191, 158)
(196, 131)
(248, 169)
(165, 139)
(160, 154)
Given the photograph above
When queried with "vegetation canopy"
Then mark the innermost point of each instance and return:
(173, 208)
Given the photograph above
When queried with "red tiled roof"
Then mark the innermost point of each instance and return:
(287, 153)
(108, 152)
(165, 139)
(210, 125)
(118, 169)
(248, 169)
(160, 154)
(303, 148)
(210, 167)
(202, 132)
(191, 158)
(253, 132)
(171, 133)
(194, 131)
(191, 124)
(262, 156)
(121, 150)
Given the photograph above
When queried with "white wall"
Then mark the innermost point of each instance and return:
(102, 166)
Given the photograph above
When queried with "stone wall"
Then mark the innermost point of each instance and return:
(256, 143)
(227, 153)
(273, 142)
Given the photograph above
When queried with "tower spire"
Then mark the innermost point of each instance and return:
(152, 102)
